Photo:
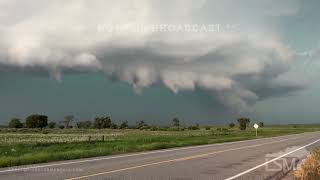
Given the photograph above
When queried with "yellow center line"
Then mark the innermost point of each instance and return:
(176, 160)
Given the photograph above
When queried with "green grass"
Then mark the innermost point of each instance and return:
(37, 146)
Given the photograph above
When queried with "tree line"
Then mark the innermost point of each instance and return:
(105, 122)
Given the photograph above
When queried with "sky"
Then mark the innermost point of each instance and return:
(206, 62)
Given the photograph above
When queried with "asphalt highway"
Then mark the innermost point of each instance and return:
(268, 158)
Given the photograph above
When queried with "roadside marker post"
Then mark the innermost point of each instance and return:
(256, 126)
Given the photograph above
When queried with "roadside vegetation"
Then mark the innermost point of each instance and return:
(310, 167)
(38, 140)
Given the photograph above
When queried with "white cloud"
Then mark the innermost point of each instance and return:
(63, 35)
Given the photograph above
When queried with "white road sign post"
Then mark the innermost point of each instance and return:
(256, 126)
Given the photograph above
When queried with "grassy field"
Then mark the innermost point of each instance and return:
(29, 146)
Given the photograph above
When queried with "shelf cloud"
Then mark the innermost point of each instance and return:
(146, 43)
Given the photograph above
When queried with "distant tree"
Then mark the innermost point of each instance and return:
(154, 128)
(146, 126)
(15, 123)
(52, 125)
(36, 121)
(176, 122)
(261, 124)
(231, 125)
(141, 124)
(43, 121)
(195, 127)
(124, 125)
(243, 122)
(102, 122)
(84, 124)
(113, 126)
(222, 129)
(68, 120)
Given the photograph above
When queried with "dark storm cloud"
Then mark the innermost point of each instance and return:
(237, 69)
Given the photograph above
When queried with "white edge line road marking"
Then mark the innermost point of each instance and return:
(12, 169)
(261, 165)
(177, 159)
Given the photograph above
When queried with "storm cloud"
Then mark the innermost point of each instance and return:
(237, 67)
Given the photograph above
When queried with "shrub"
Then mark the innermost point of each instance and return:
(15, 123)
(113, 126)
(68, 120)
(102, 122)
(174, 129)
(140, 124)
(145, 127)
(154, 128)
(84, 124)
(163, 128)
(207, 127)
(222, 129)
(231, 125)
(196, 127)
(45, 132)
(36, 121)
(52, 125)
(243, 123)
(124, 125)
(310, 168)
(261, 124)
(176, 122)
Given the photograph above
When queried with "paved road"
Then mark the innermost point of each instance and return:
(253, 159)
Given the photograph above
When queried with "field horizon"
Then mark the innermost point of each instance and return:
(30, 146)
